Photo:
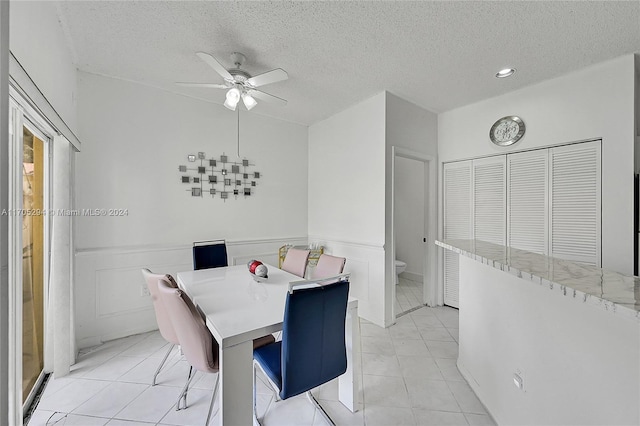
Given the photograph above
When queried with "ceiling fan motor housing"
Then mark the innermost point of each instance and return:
(239, 75)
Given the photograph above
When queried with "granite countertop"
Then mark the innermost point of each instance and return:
(605, 289)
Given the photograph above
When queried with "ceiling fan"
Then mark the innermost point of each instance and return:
(240, 84)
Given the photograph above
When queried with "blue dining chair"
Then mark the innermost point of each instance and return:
(209, 254)
(312, 350)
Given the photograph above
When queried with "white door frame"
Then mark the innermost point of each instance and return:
(22, 114)
(429, 270)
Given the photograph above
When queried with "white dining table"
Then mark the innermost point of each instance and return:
(238, 310)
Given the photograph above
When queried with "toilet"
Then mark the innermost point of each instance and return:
(400, 267)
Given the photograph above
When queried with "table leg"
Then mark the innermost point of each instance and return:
(349, 384)
(236, 382)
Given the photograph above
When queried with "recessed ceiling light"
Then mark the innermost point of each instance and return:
(507, 72)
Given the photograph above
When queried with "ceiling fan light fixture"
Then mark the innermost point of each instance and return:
(233, 97)
(249, 101)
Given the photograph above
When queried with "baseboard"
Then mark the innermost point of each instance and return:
(98, 340)
(475, 387)
(412, 277)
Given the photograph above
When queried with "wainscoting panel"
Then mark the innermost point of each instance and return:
(109, 298)
(365, 262)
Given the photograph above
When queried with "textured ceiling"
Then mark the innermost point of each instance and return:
(439, 55)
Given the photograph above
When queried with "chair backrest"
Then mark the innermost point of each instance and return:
(209, 254)
(296, 261)
(313, 340)
(196, 342)
(329, 266)
(162, 317)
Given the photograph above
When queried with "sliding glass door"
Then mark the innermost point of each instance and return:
(33, 256)
(29, 241)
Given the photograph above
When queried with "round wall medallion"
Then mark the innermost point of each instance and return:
(507, 131)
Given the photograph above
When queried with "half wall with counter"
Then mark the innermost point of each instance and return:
(548, 341)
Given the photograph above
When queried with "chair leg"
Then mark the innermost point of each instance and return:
(213, 399)
(255, 409)
(153, 383)
(323, 413)
(183, 394)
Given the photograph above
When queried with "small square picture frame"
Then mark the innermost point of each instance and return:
(256, 175)
(191, 158)
(196, 180)
(183, 169)
(196, 192)
(235, 192)
(224, 194)
(212, 163)
(213, 179)
(223, 158)
(245, 163)
(201, 170)
(186, 179)
(227, 182)
(235, 169)
(201, 155)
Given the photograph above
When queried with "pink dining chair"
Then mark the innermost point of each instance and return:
(295, 261)
(162, 317)
(198, 345)
(328, 266)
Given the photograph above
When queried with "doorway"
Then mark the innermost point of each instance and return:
(413, 229)
(409, 225)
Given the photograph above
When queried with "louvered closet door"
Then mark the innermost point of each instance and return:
(576, 202)
(457, 221)
(490, 200)
(528, 200)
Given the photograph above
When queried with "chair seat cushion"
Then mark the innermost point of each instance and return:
(269, 358)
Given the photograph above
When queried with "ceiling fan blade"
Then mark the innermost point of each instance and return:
(217, 66)
(267, 97)
(268, 77)
(208, 85)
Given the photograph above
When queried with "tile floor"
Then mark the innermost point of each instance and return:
(409, 378)
(408, 295)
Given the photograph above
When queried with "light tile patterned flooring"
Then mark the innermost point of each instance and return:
(409, 376)
(408, 295)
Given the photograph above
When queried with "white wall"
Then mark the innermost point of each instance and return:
(347, 197)
(409, 215)
(578, 362)
(346, 163)
(597, 102)
(134, 139)
(38, 42)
